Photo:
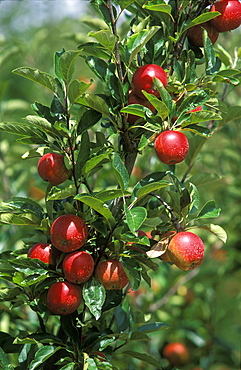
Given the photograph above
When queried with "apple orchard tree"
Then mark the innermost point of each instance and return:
(164, 88)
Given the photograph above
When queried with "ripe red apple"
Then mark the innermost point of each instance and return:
(171, 146)
(51, 168)
(143, 79)
(78, 267)
(176, 353)
(68, 233)
(63, 297)
(195, 35)
(135, 99)
(186, 250)
(111, 274)
(44, 252)
(230, 17)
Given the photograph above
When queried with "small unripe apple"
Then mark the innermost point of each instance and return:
(195, 35)
(43, 252)
(171, 147)
(68, 233)
(176, 353)
(64, 298)
(230, 17)
(111, 274)
(78, 267)
(51, 168)
(186, 250)
(134, 99)
(143, 79)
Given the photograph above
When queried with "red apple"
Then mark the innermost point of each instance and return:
(171, 146)
(51, 168)
(111, 274)
(63, 298)
(230, 17)
(186, 250)
(68, 233)
(195, 35)
(134, 99)
(143, 79)
(176, 353)
(78, 267)
(43, 252)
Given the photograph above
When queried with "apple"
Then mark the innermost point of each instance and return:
(68, 233)
(230, 17)
(176, 353)
(143, 79)
(78, 267)
(195, 35)
(111, 274)
(51, 168)
(171, 147)
(186, 250)
(43, 252)
(63, 298)
(135, 99)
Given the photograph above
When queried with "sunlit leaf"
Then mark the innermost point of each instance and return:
(94, 296)
(36, 75)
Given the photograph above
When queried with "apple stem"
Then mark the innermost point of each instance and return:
(174, 219)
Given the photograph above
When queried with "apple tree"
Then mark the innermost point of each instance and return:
(100, 232)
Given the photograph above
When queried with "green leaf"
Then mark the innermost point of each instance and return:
(142, 357)
(83, 153)
(137, 110)
(209, 210)
(165, 96)
(216, 230)
(88, 120)
(94, 49)
(20, 219)
(36, 75)
(94, 296)
(95, 161)
(153, 186)
(42, 355)
(204, 178)
(120, 171)
(163, 8)
(136, 42)
(232, 114)
(161, 107)
(201, 19)
(97, 103)
(133, 271)
(195, 145)
(136, 335)
(97, 205)
(66, 64)
(4, 361)
(77, 89)
(42, 124)
(106, 195)
(56, 194)
(106, 38)
(30, 266)
(151, 327)
(22, 129)
(135, 218)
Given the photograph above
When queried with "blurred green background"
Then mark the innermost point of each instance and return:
(202, 308)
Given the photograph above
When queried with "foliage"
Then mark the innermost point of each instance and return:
(103, 150)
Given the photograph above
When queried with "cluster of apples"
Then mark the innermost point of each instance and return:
(229, 19)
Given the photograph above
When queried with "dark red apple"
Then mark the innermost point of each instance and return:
(143, 79)
(63, 298)
(186, 250)
(43, 252)
(68, 233)
(195, 35)
(171, 147)
(51, 168)
(78, 267)
(111, 274)
(176, 353)
(230, 17)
